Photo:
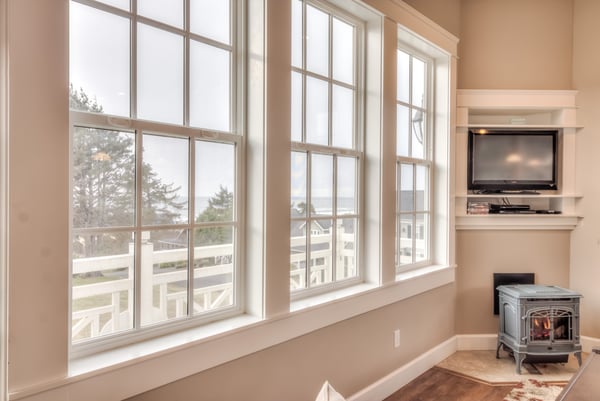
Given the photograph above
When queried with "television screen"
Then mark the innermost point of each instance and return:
(512, 160)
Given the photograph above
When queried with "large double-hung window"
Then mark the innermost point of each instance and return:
(326, 147)
(156, 154)
(413, 161)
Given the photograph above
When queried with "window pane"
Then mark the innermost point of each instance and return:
(421, 237)
(210, 90)
(342, 123)
(103, 178)
(321, 181)
(323, 108)
(298, 254)
(345, 266)
(320, 252)
(418, 134)
(422, 188)
(213, 268)
(165, 180)
(343, 51)
(418, 83)
(164, 276)
(297, 33)
(406, 195)
(296, 107)
(99, 61)
(346, 185)
(298, 187)
(317, 41)
(211, 19)
(170, 12)
(215, 181)
(405, 247)
(402, 132)
(160, 75)
(403, 79)
(317, 114)
(102, 284)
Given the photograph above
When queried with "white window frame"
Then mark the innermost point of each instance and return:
(141, 127)
(427, 161)
(356, 152)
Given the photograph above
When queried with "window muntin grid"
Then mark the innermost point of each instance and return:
(413, 162)
(160, 265)
(326, 155)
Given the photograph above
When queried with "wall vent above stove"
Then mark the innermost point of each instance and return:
(509, 279)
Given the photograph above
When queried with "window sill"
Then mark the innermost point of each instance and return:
(157, 346)
(420, 271)
(332, 296)
(192, 351)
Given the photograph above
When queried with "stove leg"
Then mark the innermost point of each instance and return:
(498, 350)
(578, 356)
(519, 358)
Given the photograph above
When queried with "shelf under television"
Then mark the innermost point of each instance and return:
(519, 126)
(517, 195)
(516, 222)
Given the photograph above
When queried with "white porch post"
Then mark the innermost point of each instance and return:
(146, 287)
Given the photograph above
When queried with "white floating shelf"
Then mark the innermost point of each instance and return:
(516, 222)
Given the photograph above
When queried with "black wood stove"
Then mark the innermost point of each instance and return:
(538, 322)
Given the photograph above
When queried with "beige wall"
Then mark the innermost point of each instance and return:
(480, 253)
(445, 13)
(585, 241)
(351, 355)
(510, 44)
(515, 44)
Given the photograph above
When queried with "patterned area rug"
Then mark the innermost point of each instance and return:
(533, 390)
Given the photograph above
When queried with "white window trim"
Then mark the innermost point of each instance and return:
(338, 11)
(139, 127)
(428, 156)
(439, 150)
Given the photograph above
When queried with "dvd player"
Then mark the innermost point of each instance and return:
(498, 208)
(515, 211)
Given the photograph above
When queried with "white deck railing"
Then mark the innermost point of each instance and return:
(160, 299)
(109, 304)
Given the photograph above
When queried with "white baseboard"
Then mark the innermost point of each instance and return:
(476, 342)
(391, 383)
(394, 381)
(587, 343)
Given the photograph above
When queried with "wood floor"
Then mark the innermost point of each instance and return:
(439, 385)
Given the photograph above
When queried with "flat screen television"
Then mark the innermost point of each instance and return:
(512, 160)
